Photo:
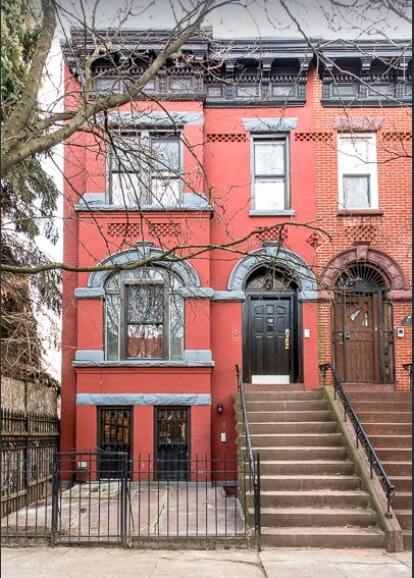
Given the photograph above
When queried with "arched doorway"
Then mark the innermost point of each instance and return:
(270, 326)
(363, 326)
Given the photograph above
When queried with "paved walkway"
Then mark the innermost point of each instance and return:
(278, 563)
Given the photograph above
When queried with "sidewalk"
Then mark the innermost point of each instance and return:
(277, 563)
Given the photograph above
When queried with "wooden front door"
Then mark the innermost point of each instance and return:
(270, 336)
(362, 338)
(172, 447)
(114, 439)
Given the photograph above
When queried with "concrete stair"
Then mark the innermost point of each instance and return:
(387, 419)
(310, 495)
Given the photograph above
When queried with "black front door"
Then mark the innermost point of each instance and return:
(172, 451)
(270, 336)
(114, 440)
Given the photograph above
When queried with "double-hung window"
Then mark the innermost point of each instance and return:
(270, 174)
(357, 171)
(145, 169)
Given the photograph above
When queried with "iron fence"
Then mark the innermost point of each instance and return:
(29, 443)
(103, 498)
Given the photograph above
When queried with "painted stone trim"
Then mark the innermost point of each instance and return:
(258, 213)
(89, 293)
(308, 295)
(270, 124)
(183, 269)
(92, 198)
(89, 355)
(104, 207)
(357, 123)
(156, 363)
(155, 118)
(198, 355)
(196, 292)
(303, 275)
(236, 296)
(143, 399)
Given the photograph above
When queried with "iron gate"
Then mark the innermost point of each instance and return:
(85, 507)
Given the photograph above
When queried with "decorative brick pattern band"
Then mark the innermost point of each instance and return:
(314, 136)
(226, 137)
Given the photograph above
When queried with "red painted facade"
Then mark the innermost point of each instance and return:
(222, 146)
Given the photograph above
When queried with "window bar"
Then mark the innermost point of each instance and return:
(149, 495)
(196, 494)
(205, 474)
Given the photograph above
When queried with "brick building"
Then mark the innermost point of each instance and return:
(308, 165)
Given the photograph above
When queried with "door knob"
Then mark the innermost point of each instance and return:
(287, 339)
(347, 334)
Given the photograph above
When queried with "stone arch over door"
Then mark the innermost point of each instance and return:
(274, 255)
(378, 259)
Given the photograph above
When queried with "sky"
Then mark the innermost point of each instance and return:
(330, 19)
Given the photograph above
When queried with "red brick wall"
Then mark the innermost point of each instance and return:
(391, 230)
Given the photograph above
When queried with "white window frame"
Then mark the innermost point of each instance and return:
(370, 169)
(145, 136)
(270, 138)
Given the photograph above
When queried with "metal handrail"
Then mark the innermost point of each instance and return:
(409, 368)
(361, 436)
(254, 461)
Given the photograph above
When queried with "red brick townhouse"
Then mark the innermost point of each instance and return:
(307, 164)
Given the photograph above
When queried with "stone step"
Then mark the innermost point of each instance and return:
(295, 453)
(314, 499)
(402, 483)
(384, 417)
(402, 501)
(369, 387)
(307, 427)
(404, 517)
(283, 395)
(391, 441)
(323, 537)
(388, 428)
(394, 468)
(306, 467)
(395, 455)
(297, 416)
(273, 387)
(306, 482)
(294, 439)
(276, 406)
(319, 517)
(408, 539)
(382, 406)
(355, 396)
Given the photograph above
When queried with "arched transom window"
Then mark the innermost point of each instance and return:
(144, 315)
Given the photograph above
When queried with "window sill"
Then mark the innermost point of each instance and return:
(284, 213)
(144, 363)
(356, 212)
(143, 208)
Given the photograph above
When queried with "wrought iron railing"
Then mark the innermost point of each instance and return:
(360, 434)
(409, 369)
(253, 459)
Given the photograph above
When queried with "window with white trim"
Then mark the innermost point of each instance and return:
(357, 171)
(270, 174)
(145, 169)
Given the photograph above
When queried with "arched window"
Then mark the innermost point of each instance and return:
(267, 278)
(144, 315)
